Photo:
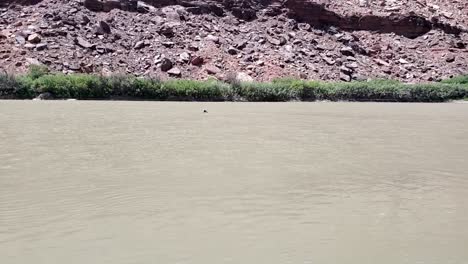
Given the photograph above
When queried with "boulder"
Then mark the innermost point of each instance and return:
(184, 56)
(212, 38)
(167, 31)
(347, 51)
(103, 28)
(174, 72)
(345, 77)
(197, 61)
(211, 69)
(139, 45)
(83, 43)
(328, 60)
(243, 77)
(346, 70)
(278, 42)
(34, 38)
(166, 64)
(231, 50)
(193, 47)
(450, 58)
(44, 96)
(30, 46)
(41, 46)
(20, 39)
(142, 7)
(108, 5)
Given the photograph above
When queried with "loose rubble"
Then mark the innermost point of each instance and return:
(257, 40)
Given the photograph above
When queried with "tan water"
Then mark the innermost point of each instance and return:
(148, 182)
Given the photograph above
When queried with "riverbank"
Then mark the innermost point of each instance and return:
(41, 84)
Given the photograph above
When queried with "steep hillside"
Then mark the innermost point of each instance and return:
(410, 40)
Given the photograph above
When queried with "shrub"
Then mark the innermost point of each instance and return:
(25, 88)
(80, 86)
(16, 87)
(84, 86)
(148, 89)
(437, 92)
(275, 92)
(36, 71)
(197, 90)
(8, 84)
(462, 79)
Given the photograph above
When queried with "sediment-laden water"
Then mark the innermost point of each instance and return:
(150, 182)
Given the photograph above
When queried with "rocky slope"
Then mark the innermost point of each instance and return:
(410, 40)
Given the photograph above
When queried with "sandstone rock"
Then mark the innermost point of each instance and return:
(347, 51)
(211, 69)
(381, 62)
(94, 5)
(243, 77)
(168, 44)
(44, 96)
(184, 56)
(304, 26)
(34, 38)
(166, 64)
(88, 68)
(197, 61)
(142, 7)
(83, 43)
(193, 47)
(460, 45)
(352, 65)
(30, 46)
(166, 31)
(328, 60)
(231, 50)
(32, 61)
(174, 72)
(450, 58)
(101, 49)
(74, 67)
(20, 39)
(103, 28)
(108, 5)
(212, 38)
(241, 44)
(346, 70)
(345, 77)
(85, 20)
(403, 61)
(41, 46)
(277, 42)
(139, 45)
(106, 72)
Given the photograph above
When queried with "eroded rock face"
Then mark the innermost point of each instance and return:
(406, 24)
(263, 39)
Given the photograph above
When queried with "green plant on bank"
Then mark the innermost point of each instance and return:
(462, 79)
(87, 86)
(36, 71)
(7, 84)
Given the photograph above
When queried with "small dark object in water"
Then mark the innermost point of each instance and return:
(205, 111)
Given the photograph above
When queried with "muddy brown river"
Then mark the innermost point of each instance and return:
(274, 183)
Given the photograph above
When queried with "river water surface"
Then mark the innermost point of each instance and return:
(152, 182)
